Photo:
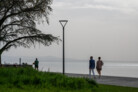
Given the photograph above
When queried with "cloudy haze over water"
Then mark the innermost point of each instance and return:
(106, 28)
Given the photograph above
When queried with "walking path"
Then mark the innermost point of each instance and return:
(110, 80)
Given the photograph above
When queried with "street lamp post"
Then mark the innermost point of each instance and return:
(63, 24)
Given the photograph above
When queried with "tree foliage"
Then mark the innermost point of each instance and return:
(18, 20)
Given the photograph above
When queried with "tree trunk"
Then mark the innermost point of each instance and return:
(0, 59)
(1, 51)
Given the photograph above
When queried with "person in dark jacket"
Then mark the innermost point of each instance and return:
(91, 66)
(36, 62)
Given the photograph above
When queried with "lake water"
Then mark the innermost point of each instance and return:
(123, 69)
(110, 69)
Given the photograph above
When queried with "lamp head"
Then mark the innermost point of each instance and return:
(63, 22)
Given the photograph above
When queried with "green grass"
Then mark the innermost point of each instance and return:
(109, 88)
(30, 80)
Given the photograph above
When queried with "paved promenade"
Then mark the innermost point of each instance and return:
(110, 80)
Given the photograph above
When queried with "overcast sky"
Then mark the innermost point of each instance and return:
(106, 28)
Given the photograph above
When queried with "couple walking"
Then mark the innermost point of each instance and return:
(92, 66)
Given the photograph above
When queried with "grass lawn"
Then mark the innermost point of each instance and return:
(109, 88)
(30, 80)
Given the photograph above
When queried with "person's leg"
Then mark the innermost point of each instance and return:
(93, 73)
(99, 73)
(90, 73)
(37, 67)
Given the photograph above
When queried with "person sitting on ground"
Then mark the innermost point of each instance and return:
(99, 66)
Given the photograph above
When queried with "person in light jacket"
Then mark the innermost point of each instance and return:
(99, 66)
